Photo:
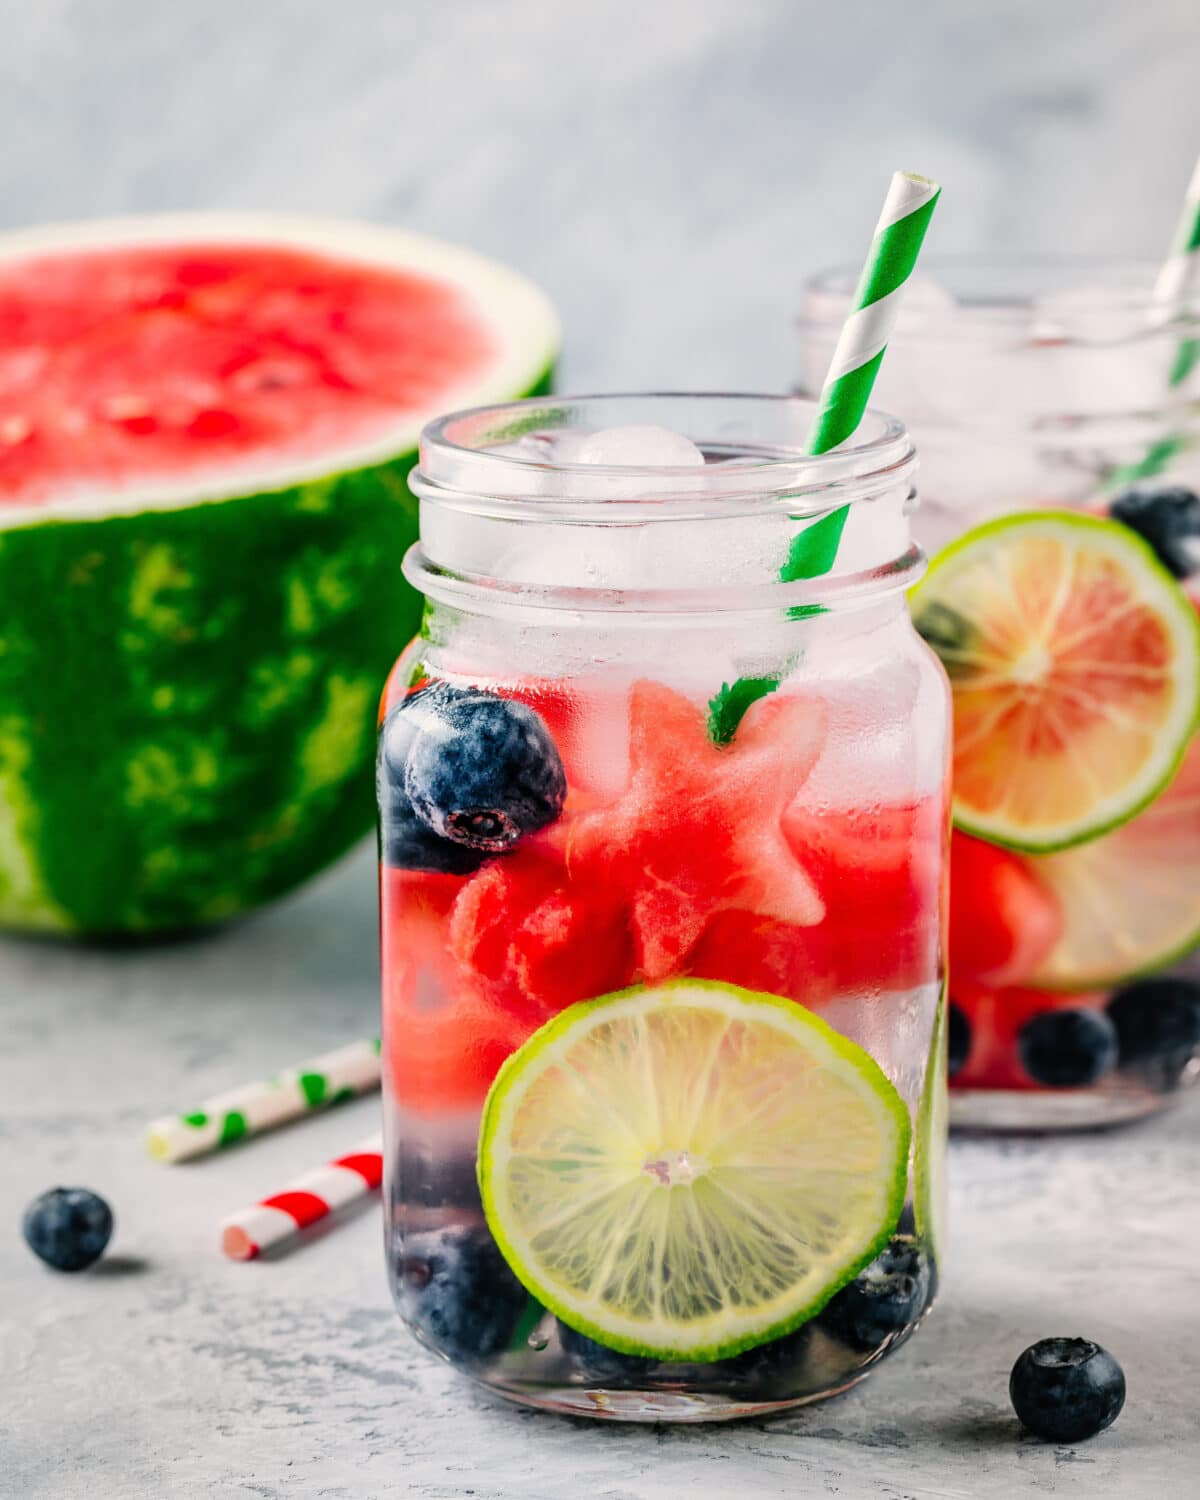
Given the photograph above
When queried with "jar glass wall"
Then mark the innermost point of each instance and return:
(662, 876)
(1056, 386)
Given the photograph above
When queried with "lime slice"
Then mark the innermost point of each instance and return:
(1130, 901)
(929, 1143)
(689, 1170)
(1074, 659)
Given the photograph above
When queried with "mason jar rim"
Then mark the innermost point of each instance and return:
(1004, 288)
(458, 470)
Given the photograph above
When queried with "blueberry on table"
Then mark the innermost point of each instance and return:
(1066, 1049)
(599, 1364)
(1157, 1020)
(481, 770)
(456, 1287)
(1065, 1390)
(960, 1038)
(69, 1228)
(1168, 517)
(883, 1300)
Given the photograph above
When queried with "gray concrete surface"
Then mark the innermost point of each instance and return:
(171, 1372)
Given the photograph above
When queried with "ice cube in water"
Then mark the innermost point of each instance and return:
(639, 447)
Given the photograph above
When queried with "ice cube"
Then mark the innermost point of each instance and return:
(639, 447)
(1094, 314)
(924, 303)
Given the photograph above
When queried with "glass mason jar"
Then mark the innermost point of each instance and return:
(662, 853)
(1053, 385)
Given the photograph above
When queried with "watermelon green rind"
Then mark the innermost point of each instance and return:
(189, 681)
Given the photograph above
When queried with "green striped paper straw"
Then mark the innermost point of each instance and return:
(255, 1107)
(899, 235)
(1179, 277)
(1175, 285)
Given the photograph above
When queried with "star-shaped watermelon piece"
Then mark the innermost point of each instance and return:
(699, 828)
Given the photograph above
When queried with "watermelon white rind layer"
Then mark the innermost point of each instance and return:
(189, 676)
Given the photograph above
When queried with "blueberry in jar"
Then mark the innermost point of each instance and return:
(482, 771)
(1168, 517)
(597, 1363)
(959, 1038)
(456, 1287)
(1157, 1021)
(462, 775)
(884, 1299)
(1068, 1048)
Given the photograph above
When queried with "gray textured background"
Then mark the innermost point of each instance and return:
(669, 169)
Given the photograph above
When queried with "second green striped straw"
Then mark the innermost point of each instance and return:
(897, 242)
(1177, 281)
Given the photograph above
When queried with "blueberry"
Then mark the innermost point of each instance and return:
(481, 771)
(68, 1227)
(599, 1364)
(1157, 1020)
(1065, 1390)
(405, 842)
(960, 1038)
(883, 1300)
(456, 1287)
(772, 1368)
(1067, 1049)
(948, 632)
(1168, 517)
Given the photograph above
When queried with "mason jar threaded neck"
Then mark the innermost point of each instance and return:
(511, 520)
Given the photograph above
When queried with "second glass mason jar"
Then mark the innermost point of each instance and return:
(662, 853)
(1057, 412)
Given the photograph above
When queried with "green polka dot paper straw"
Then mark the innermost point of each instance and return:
(899, 235)
(255, 1107)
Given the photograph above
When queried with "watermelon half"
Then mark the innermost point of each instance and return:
(206, 424)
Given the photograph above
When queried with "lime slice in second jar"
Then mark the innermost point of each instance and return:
(689, 1170)
(1130, 901)
(1074, 658)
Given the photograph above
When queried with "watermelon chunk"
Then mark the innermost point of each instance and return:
(445, 1035)
(206, 425)
(699, 828)
(879, 874)
(538, 938)
(1004, 920)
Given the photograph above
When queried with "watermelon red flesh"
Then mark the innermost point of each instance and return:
(1004, 920)
(445, 1037)
(688, 868)
(204, 450)
(996, 1017)
(119, 366)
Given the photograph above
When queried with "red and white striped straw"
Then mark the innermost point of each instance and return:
(274, 1221)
